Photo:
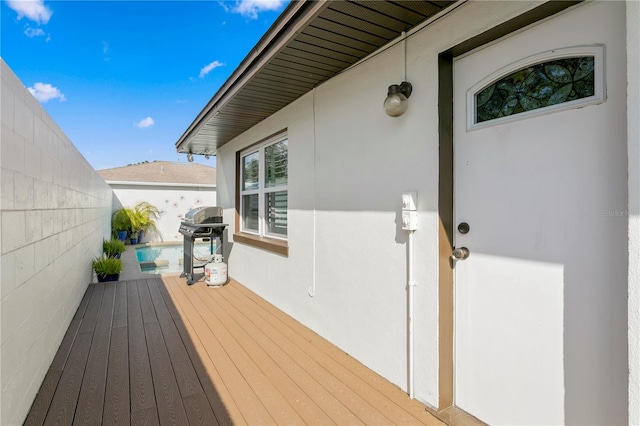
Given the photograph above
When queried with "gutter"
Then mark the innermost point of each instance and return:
(293, 19)
(172, 184)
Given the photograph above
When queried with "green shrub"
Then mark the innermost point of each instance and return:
(113, 247)
(121, 220)
(106, 265)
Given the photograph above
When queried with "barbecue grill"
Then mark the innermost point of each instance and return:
(202, 223)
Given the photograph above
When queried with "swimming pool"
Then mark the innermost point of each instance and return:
(167, 259)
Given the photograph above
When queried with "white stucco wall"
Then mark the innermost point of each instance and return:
(348, 165)
(55, 211)
(173, 201)
(633, 134)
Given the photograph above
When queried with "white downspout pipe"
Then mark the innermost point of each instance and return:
(312, 289)
(410, 285)
(404, 56)
(410, 281)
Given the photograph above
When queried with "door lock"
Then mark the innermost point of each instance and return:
(460, 253)
(463, 227)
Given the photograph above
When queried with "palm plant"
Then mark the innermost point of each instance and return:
(146, 216)
(142, 217)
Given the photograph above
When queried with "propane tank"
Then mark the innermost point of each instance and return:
(215, 273)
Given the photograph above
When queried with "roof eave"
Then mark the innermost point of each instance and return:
(295, 17)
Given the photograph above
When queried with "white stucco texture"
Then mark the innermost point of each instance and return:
(348, 166)
(172, 202)
(633, 144)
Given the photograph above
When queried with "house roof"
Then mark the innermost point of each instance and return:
(308, 44)
(166, 172)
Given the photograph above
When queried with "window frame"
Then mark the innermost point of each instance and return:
(261, 237)
(599, 96)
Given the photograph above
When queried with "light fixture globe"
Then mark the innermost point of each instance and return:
(396, 102)
(190, 157)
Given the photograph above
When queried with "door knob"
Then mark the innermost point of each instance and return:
(460, 253)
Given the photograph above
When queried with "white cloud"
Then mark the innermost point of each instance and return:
(210, 67)
(34, 32)
(105, 47)
(34, 10)
(251, 8)
(44, 92)
(145, 122)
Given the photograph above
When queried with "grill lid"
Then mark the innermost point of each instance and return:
(204, 214)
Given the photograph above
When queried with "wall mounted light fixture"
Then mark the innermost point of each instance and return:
(396, 102)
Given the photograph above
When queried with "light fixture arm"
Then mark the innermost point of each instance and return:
(406, 88)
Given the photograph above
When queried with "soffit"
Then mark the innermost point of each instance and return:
(310, 43)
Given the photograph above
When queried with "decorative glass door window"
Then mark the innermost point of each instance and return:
(560, 79)
(264, 194)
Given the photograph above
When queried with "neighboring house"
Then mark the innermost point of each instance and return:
(174, 188)
(521, 140)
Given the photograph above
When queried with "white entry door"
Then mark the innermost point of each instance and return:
(541, 191)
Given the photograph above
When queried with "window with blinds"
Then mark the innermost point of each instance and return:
(263, 194)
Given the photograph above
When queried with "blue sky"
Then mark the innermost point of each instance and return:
(124, 79)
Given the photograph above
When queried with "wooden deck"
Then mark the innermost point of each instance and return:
(157, 351)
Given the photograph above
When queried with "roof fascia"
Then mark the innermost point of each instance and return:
(172, 184)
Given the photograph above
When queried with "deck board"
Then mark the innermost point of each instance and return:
(117, 410)
(45, 395)
(168, 400)
(66, 396)
(186, 376)
(294, 384)
(253, 412)
(120, 308)
(156, 351)
(357, 382)
(219, 397)
(277, 405)
(311, 361)
(141, 384)
(65, 399)
(307, 336)
(91, 398)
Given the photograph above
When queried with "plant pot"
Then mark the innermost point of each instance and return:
(107, 278)
(133, 240)
(117, 255)
(122, 235)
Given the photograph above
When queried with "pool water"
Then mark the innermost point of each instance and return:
(173, 254)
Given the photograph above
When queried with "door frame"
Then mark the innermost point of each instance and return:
(446, 226)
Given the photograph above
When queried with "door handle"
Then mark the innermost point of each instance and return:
(460, 253)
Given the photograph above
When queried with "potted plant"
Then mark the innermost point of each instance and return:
(107, 268)
(113, 247)
(146, 216)
(133, 236)
(121, 222)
